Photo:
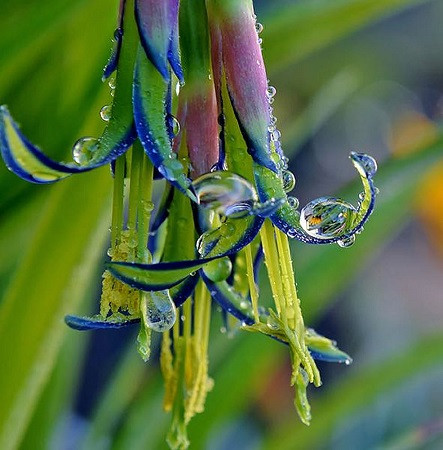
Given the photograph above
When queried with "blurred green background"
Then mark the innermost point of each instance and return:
(363, 75)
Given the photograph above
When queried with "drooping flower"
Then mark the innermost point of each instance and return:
(192, 105)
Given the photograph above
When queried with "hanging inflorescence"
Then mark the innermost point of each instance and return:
(191, 105)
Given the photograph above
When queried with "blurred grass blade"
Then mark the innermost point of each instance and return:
(71, 230)
(303, 27)
(126, 381)
(358, 391)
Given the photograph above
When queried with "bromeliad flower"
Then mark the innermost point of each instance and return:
(192, 105)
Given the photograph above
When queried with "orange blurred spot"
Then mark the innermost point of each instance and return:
(412, 132)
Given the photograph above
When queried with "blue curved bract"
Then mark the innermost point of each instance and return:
(93, 323)
(228, 299)
(30, 163)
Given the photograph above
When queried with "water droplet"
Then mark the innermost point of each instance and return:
(258, 27)
(105, 113)
(271, 91)
(288, 179)
(361, 196)
(83, 150)
(159, 314)
(221, 191)
(112, 83)
(327, 217)
(366, 163)
(244, 304)
(223, 330)
(218, 270)
(348, 361)
(175, 125)
(292, 232)
(275, 135)
(346, 242)
(376, 190)
(177, 89)
(293, 202)
(260, 41)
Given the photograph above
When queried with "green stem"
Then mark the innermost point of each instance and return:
(145, 208)
(118, 200)
(251, 281)
(136, 160)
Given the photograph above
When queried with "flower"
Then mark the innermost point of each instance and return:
(225, 205)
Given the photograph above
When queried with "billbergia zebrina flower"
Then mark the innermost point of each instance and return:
(192, 107)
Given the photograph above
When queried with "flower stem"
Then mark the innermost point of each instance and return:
(251, 281)
(145, 207)
(118, 200)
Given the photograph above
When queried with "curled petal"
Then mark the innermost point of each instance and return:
(98, 323)
(30, 163)
(157, 24)
(324, 220)
(323, 349)
(230, 237)
(155, 277)
(181, 292)
(149, 100)
(229, 300)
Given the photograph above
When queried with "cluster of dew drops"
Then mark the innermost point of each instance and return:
(281, 161)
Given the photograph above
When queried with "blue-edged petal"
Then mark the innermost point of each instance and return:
(98, 323)
(111, 65)
(149, 100)
(324, 349)
(230, 237)
(157, 23)
(287, 219)
(181, 292)
(246, 76)
(229, 300)
(155, 277)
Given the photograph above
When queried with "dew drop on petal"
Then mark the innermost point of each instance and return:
(361, 196)
(160, 314)
(327, 217)
(288, 179)
(112, 83)
(105, 113)
(293, 202)
(365, 162)
(175, 125)
(83, 150)
(346, 242)
(271, 91)
(222, 190)
(218, 270)
(258, 27)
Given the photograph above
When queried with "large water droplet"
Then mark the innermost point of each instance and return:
(222, 191)
(288, 179)
(327, 217)
(218, 270)
(105, 113)
(159, 312)
(83, 150)
(258, 27)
